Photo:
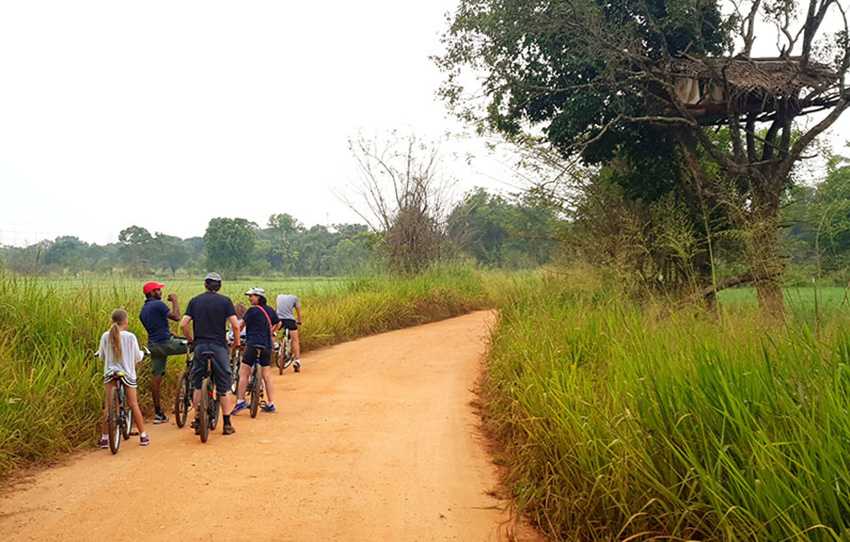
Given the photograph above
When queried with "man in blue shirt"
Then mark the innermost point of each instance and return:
(155, 316)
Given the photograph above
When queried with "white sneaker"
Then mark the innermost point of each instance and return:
(297, 365)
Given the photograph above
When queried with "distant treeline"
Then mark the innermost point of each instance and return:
(492, 230)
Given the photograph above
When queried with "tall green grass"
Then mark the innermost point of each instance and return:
(627, 422)
(50, 384)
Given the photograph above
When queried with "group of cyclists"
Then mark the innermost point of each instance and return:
(210, 324)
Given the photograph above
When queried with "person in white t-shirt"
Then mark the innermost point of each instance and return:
(119, 350)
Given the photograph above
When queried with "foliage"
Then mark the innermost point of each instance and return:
(818, 222)
(498, 232)
(229, 243)
(567, 66)
(607, 80)
(620, 423)
(284, 247)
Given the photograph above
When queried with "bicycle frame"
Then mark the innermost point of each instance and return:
(255, 384)
(209, 403)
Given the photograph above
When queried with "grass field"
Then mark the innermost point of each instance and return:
(191, 286)
(50, 384)
(800, 300)
(621, 421)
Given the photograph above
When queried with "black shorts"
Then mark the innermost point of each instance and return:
(221, 367)
(291, 325)
(250, 357)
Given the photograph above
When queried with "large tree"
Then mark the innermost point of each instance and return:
(170, 251)
(595, 78)
(136, 248)
(67, 252)
(503, 232)
(229, 243)
(282, 233)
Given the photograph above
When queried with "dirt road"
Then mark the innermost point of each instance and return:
(375, 440)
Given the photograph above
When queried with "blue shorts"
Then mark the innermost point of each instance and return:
(220, 366)
(251, 357)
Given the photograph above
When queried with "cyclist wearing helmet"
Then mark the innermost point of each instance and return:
(155, 316)
(208, 314)
(261, 323)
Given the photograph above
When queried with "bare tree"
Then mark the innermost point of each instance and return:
(402, 194)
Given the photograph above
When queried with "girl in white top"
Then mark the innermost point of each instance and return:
(119, 350)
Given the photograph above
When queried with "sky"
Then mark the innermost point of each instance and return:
(166, 114)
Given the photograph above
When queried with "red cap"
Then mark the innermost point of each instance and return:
(151, 286)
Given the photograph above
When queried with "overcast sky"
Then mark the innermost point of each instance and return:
(166, 114)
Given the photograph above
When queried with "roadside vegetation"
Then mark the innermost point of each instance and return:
(621, 420)
(50, 383)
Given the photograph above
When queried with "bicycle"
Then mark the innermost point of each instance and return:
(209, 402)
(255, 384)
(183, 397)
(284, 350)
(119, 415)
(235, 361)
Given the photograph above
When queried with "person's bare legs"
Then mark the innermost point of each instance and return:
(267, 378)
(244, 375)
(296, 344)
(227, 403)
(196, 398)
(133, 400)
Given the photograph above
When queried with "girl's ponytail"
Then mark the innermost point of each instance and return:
(119, 316)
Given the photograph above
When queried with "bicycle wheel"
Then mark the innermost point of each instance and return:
(182, 401)
(214, 405)
(256, 382)
(203, 411)
(234, 372)
(112, 422)
(126, 414)
(126, 422)
(287, 351)
(277, 363)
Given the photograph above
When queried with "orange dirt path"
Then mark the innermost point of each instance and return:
(375, 439)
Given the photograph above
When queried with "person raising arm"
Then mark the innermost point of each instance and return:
(155, 316)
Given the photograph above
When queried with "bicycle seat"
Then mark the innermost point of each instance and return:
(258, 347)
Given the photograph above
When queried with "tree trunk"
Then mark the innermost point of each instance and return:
(767, 263)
